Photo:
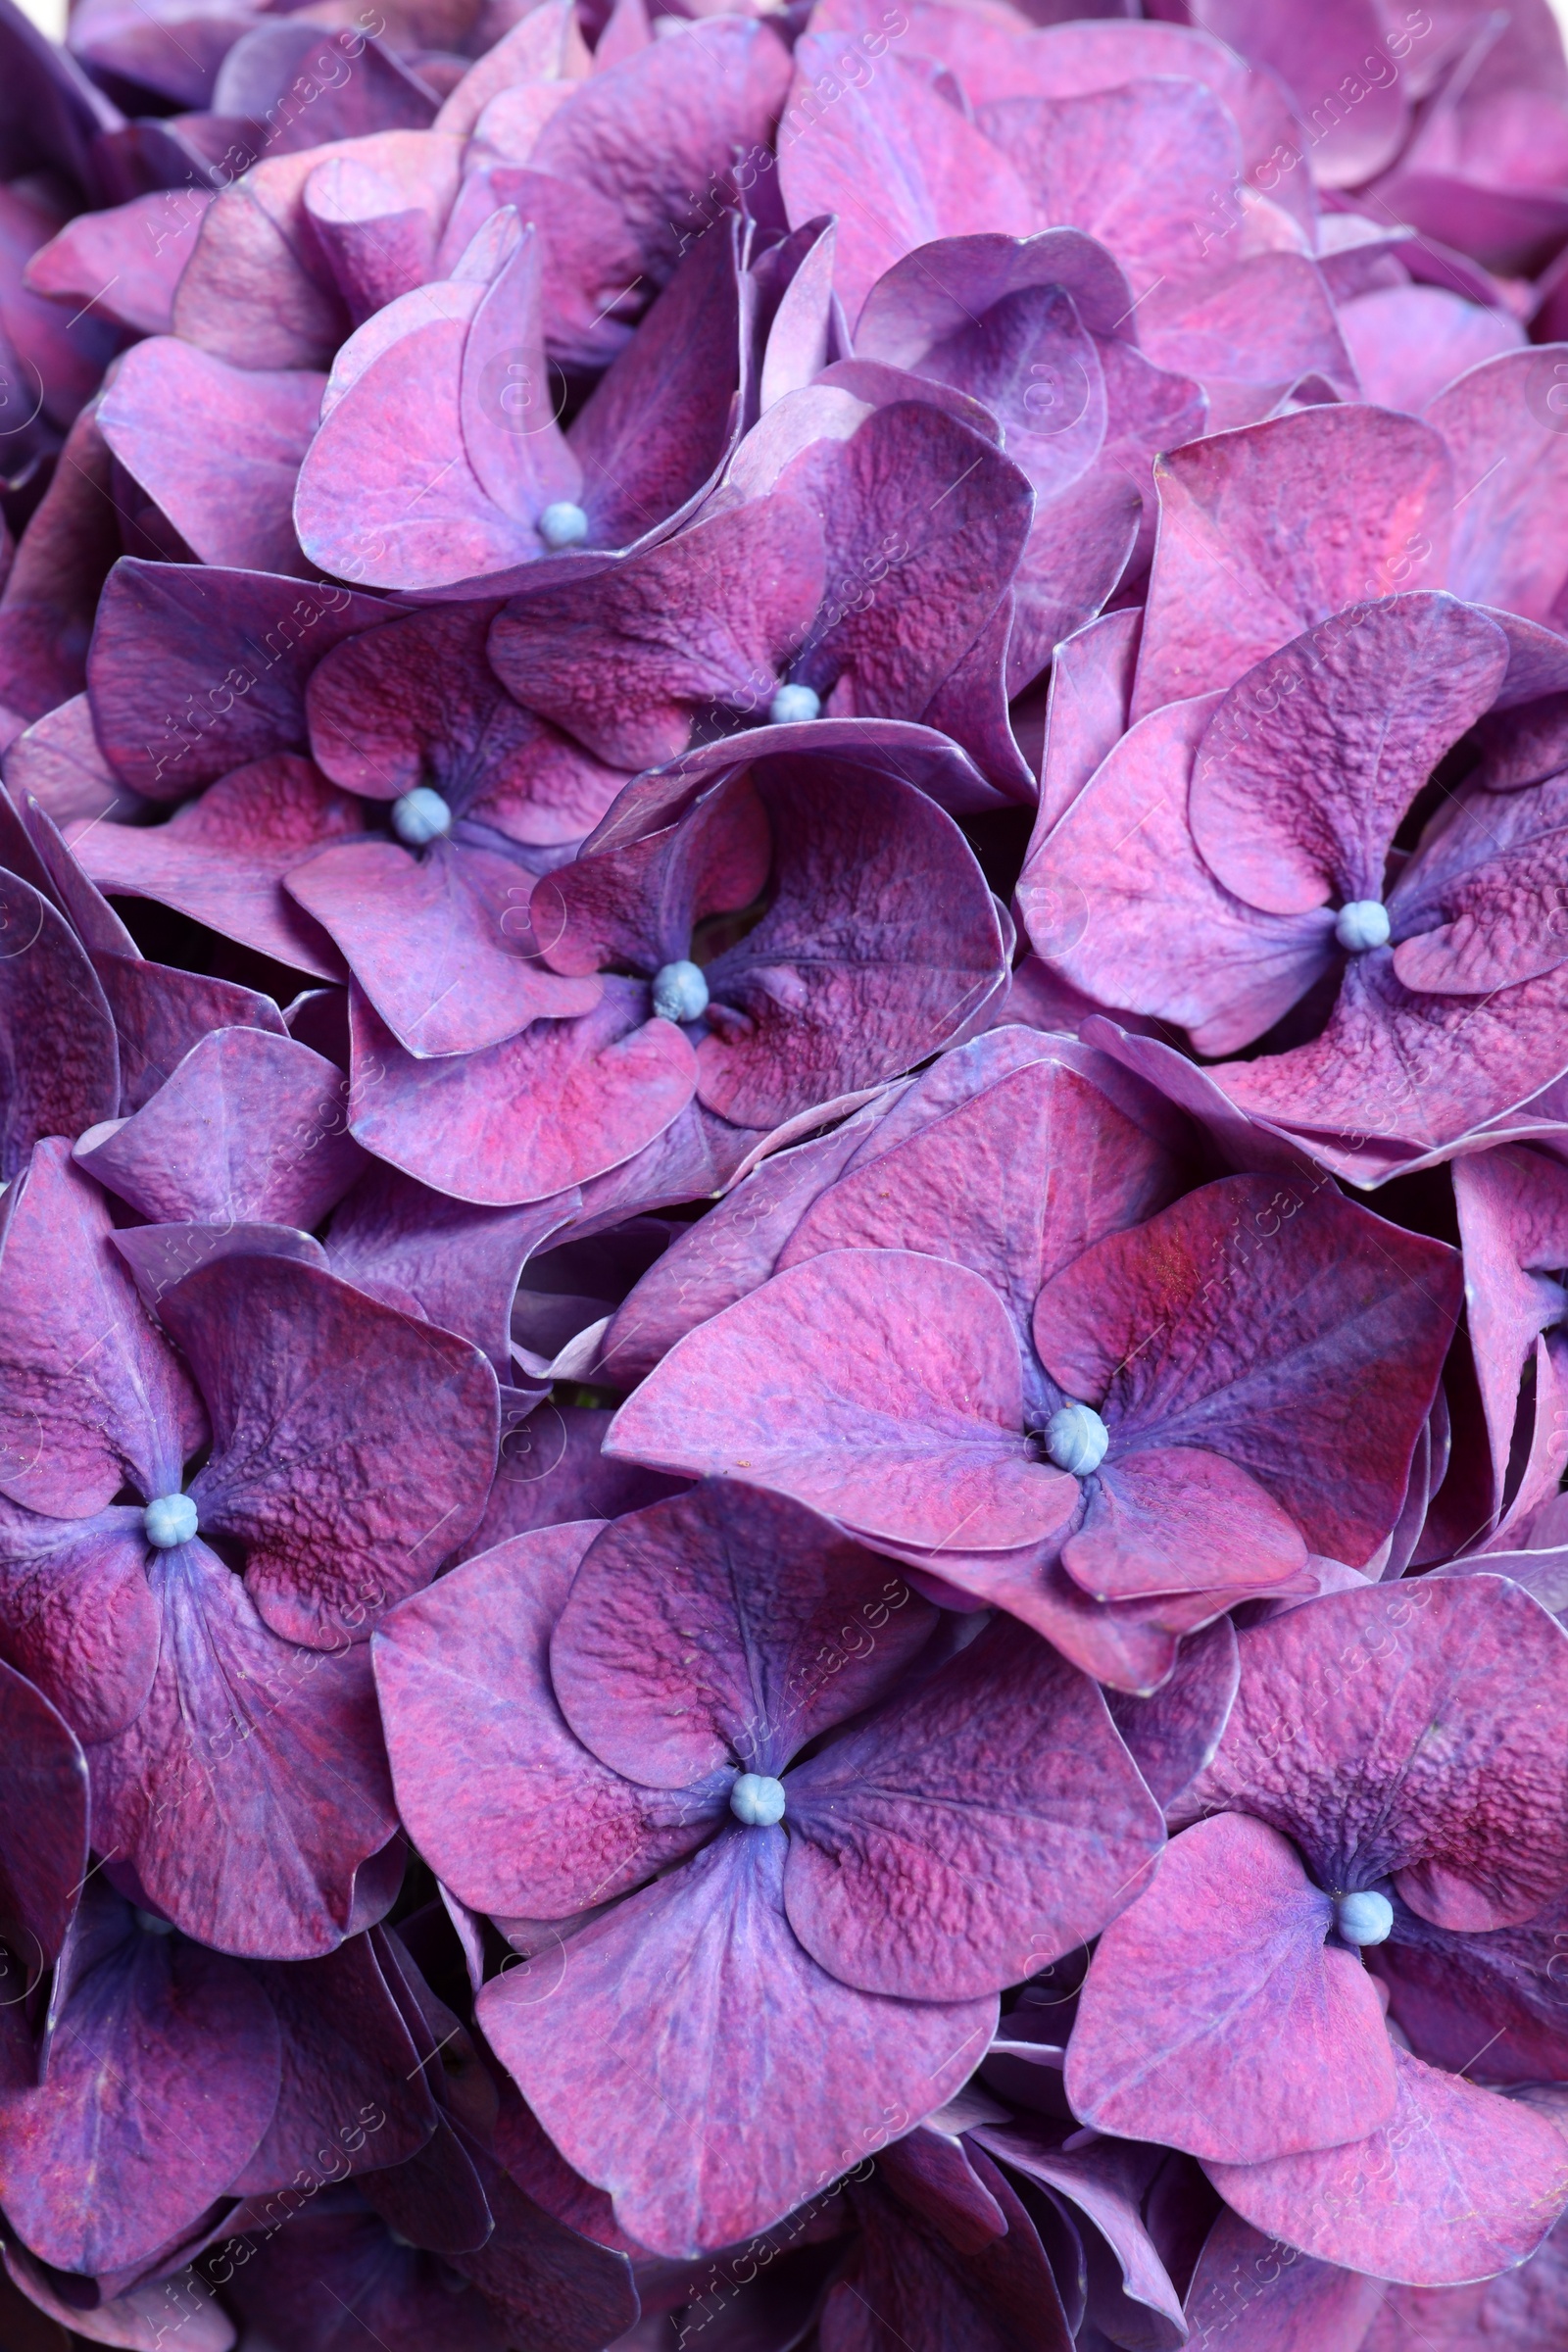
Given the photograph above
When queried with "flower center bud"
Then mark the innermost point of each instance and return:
(1364, 1918)
(1362, 925)
(562, 524)
(757, 1800)
(420, 815)
(794, 702)
(680, 993)
(1076, 1438)
(170, 1520)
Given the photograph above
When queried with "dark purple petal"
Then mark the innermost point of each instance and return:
(725, 1624)
(43, 1840)
(353, 1447)
(57, 1038)
(1257, 2295)
(93, 1394)
(969, 1834)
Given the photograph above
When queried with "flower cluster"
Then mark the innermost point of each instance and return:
(784, 1177)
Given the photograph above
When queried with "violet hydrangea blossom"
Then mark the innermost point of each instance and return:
(228, 1717)
(878, 1888)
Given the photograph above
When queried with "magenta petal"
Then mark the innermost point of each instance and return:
(1415, 1777)
(1172, 1734)
(1286, 824)
(1214, 1326)
(1179, 1519)
(1475, 909)
(1216, 2017)
(838, 2072)
(935, 175)
(622, 658)
(248, 1127)
(194, 671)
(441, 945)
(1260, 2296)
(92, 1393)
(77, 1617)
(486, 1768)
(253, 1783)
(162, 1012)
(969, 1832)
(1117, 901)
(1231, 580)
(455, 1264)
(1512, 1204)
(1111, 1163)
(560, 1102)
(222, 858)
(793, 1629)
(353, 1447)
(853, 973)
(140, 2023)
(1509, 545)
(217, 448)
(1458, 2185)
(552, 1470)
(879, 1387)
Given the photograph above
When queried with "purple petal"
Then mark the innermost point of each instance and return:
(969, 1832)
(1408, 341)
(353, 1447)
(1231, 581)
(1216, 2017)
(487, 1769)
(1390, 687)
(1508, 456)
(441, 943)
(1265, 2298)
(229, 649)
(790, 1629)
(837, 2072)
(137, 2026)
(1174, 1733)
(77, 1615)
(935, 175)
(222, 858)
(881, 1388)
(43, 1841)
(1180, 1519)
(523, 1120)
(55, 1034)
(253, 1785)
(1191, 1332)
(1424, 1775)
(93, 1394)
(1117, 901)
(249, 1127)
(217, 448)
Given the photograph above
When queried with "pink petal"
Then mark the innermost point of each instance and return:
(1508, 457)
(486, 1798)
(1215, 2017)
(1178, 1519)
(1459, 2184)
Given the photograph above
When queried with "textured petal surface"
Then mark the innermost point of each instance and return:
(969, 1834)
(1460, 2184)
(882, 1388)
(486, 1807)
(838, 2071)
(353, 1447)
(725, 1624)
(1385, 1731)
(1216, 2017)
